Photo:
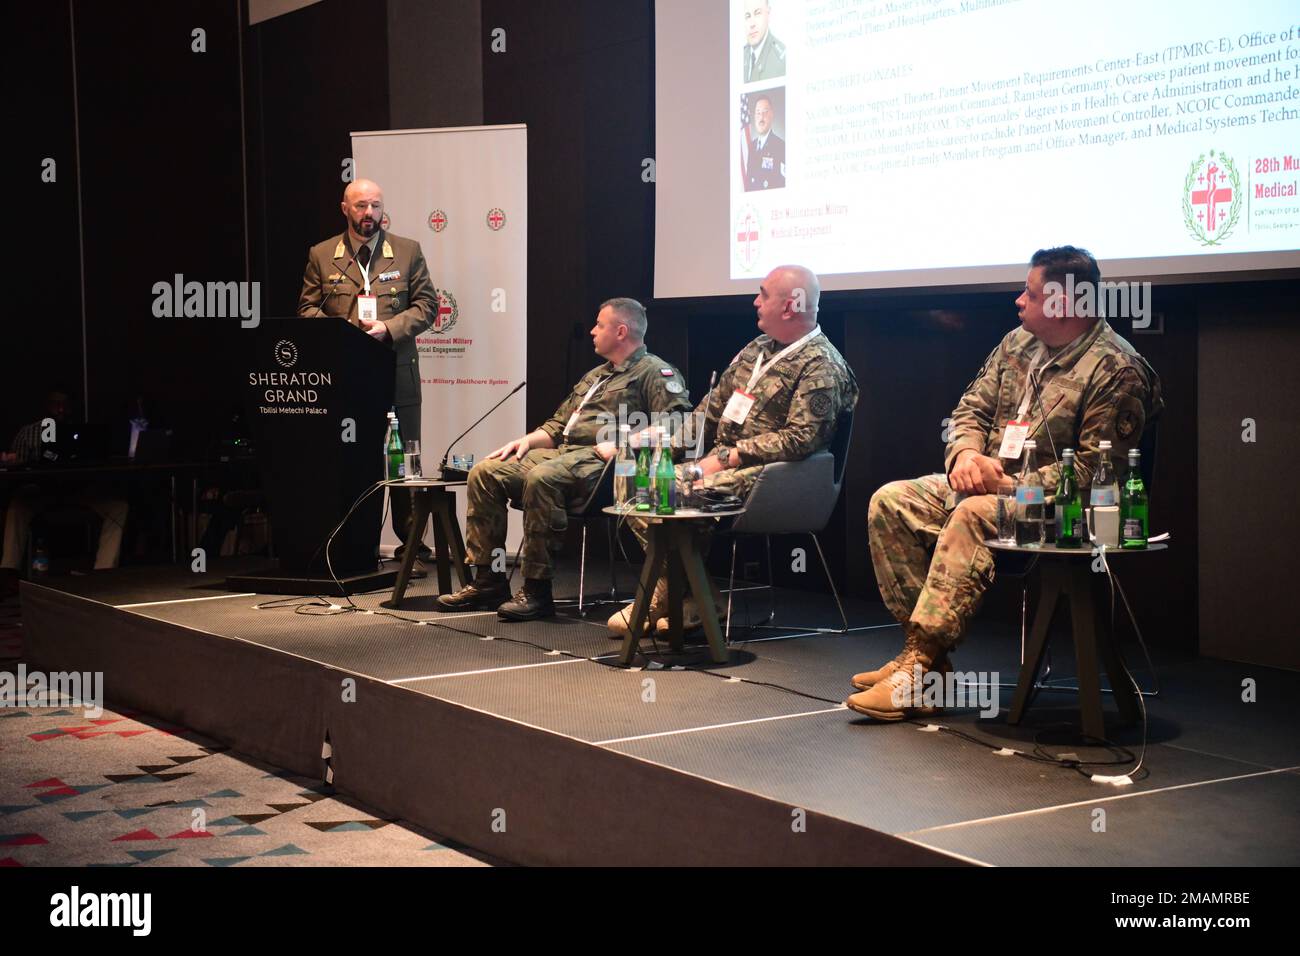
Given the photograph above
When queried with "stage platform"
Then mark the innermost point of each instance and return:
(527, 742)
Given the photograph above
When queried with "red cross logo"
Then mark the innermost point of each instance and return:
(496, 219)
(437, 220)
(1210, 197)
(448, 311)
(747, 238)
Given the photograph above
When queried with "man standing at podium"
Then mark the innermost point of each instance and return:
(379, 283)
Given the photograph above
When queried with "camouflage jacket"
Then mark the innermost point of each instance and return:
(638, 387)
(796, 404)
(1096, 388)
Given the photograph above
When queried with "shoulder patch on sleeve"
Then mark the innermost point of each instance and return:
(667, 372)
(674, 387)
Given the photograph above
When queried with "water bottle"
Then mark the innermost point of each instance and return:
(396, 455)
(665, 479)
(1029, 502)
(1133, 505)
(1105, 486)
(1069, 505)
(625, 470)
(641, 481)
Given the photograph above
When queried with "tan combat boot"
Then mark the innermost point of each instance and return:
(868, 679)
(899, 695)
(619, 623)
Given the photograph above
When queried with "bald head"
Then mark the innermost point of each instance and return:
(363, 207)
(787, 302)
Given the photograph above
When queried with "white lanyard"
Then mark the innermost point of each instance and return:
(578, 411)
(1029, 386)
(365, 275)
(760, 368)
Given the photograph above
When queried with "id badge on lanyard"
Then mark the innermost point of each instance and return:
(742, 399)
(367, 304)
(738, 407)
(1017, 430)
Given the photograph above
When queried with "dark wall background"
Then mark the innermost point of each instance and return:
(177, 149)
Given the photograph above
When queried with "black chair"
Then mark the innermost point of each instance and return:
(794, 497)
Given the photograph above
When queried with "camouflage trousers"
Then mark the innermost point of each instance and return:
(934, 597)
(733, 481)
(543, 482)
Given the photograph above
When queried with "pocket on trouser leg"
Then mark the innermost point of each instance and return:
(559, 520)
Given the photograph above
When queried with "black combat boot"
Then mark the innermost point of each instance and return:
(531, 602)
(484, 593)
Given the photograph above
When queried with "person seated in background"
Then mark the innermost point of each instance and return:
(779, 400)
(560, 461)
(1065, 361)
(38, 443)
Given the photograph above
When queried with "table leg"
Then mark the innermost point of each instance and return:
(697, 575)
(676, 591)
(1084, 617)
(656, 552)
(419, 520)
(173, 515)
(194, 514)
(455, 544)
(442, 560)
(1049, 594)
(1120, 685)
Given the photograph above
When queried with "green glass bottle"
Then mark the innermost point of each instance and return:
(396, 454)
(665, 479)
(1133, 505)
(1069, 505)
(641, 481)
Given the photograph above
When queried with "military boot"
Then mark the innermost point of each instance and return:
(619, 623)
(900, 694)
(484, 593)
(530, 602)
(868, 679)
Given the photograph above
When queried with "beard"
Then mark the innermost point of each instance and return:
(365, 227)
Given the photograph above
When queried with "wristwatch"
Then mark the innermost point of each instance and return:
(724, 457)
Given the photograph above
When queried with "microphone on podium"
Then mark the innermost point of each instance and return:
(460, 474)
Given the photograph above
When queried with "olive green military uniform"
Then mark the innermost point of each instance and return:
(1093, 389)
(769, 64)
(547, 478)
(796, 406)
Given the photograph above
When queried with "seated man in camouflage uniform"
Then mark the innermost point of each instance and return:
(779, 400)
(1092, 385)
(559, 461)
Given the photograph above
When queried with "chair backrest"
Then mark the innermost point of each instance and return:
(791, 497)
(1149, 446)
(840, 445)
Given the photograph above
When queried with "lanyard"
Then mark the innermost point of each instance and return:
(760, 368)
(578, 411)
(1029, 385)
(365, 275)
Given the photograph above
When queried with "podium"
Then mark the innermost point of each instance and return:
(315, 394)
